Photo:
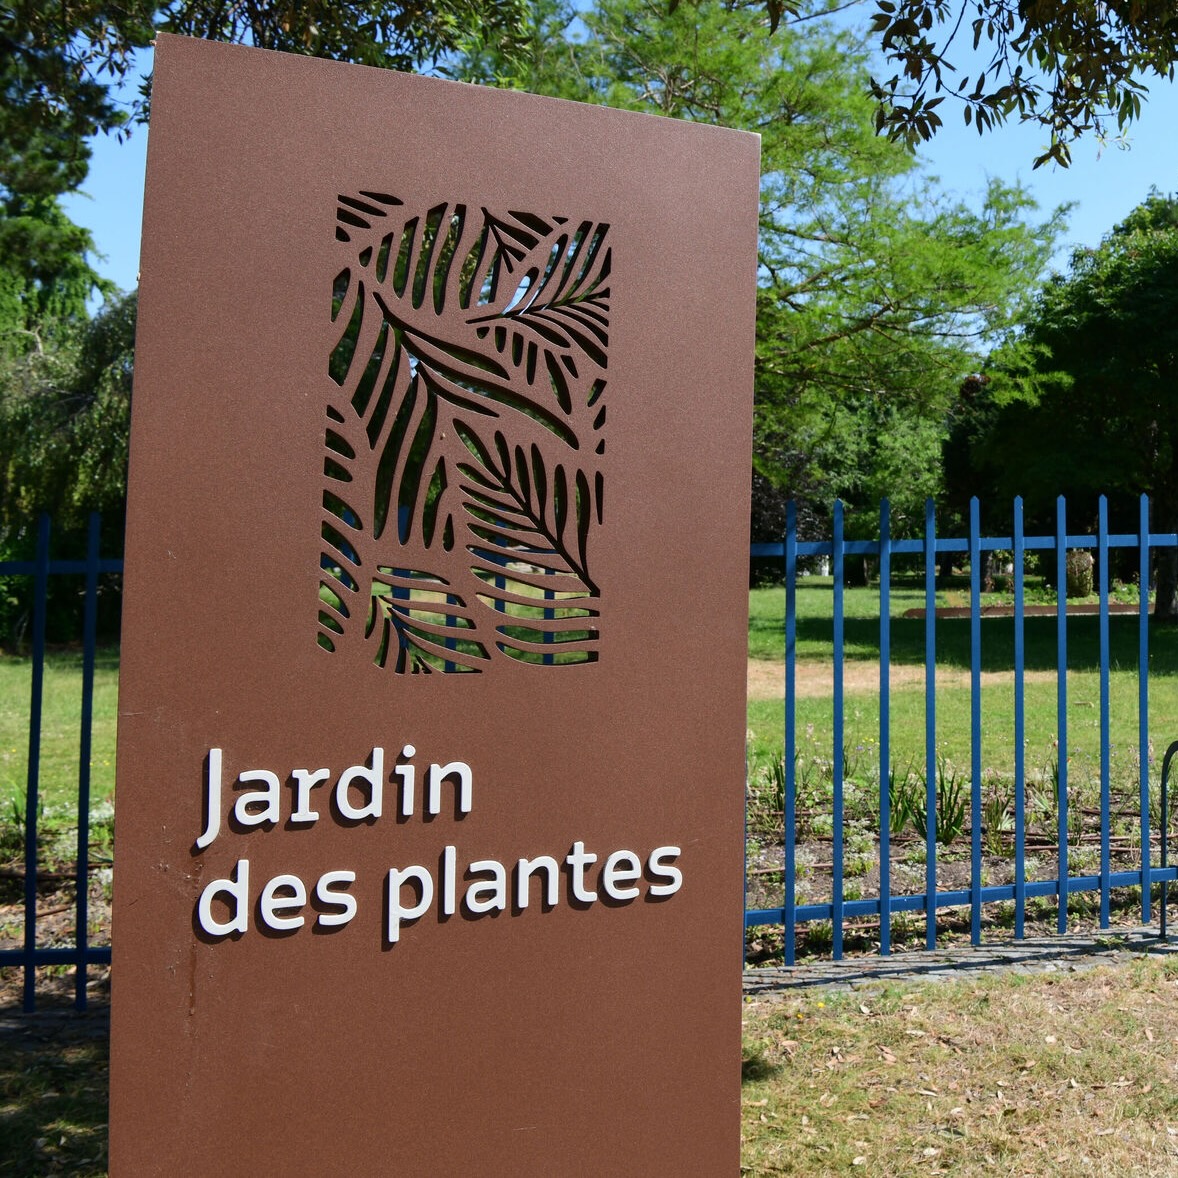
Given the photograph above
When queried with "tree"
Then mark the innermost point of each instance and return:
(62, 62)
(65, 419)
(873, 291)
(65, 404)
(46, 278)
(1090, 388)
(1072, 67)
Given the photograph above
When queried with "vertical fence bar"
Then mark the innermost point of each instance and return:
(1061, 640)
(1143, 701)
(837, 759)
(975, 722)
(549, 657)
(1105, 788)
(885, 779)
(1020, 765)
(33, 778)
(89, 647)
(789, 804)
(930, 724)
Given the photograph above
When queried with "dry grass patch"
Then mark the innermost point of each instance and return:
(815, 679)
(1008, 1074)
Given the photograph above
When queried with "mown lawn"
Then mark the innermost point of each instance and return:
(952, 695)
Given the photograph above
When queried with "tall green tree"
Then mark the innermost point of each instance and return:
(46, 276)
(64, 421)
(65, 400)
(1071, 67)
(874, 291)
(61, 64)
(1090, 388)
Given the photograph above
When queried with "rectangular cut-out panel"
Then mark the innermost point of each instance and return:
(430, 793)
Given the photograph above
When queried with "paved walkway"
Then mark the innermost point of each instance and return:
(1067, 953)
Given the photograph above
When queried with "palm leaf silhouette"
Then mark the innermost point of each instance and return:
(464, 436)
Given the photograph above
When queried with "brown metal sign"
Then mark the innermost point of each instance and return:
(430, 793)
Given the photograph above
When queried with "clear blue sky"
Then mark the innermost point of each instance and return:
(1104, 183)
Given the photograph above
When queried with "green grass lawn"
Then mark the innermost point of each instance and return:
(952, 696)
(60, 729)
(62, 698)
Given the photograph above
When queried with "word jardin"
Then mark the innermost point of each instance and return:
(410, 892)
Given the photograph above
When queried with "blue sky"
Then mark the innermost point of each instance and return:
(1104, 183)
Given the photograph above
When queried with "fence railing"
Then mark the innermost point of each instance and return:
(839, 908)
(81, 954)
(1062, 884)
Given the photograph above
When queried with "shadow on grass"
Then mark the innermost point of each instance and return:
(861, 641)
(53, 1081)
(754, 1067)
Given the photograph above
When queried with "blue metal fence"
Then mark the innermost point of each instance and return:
(81, 954)
(790, 914)
(1062, 885)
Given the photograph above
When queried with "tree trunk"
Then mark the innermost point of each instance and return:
(944, 568)
(1165, 608)
(1164, 518)
(855, 573)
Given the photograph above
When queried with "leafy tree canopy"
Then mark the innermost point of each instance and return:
(61, 62)
(1088, 393)
(874, 290)
(1071, 67)
(46, 278)
(64, 422)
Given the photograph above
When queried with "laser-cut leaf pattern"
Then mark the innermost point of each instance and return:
(465, 435)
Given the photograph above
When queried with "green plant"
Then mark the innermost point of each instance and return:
(819, 936)
(952, 804)
(997, 818)
(903, 797)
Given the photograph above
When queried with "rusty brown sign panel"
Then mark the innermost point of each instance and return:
(432, 703)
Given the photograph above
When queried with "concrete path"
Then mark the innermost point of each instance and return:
(1071, 952)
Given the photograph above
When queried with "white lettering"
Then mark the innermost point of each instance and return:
(272, 904)
(661, 870)
(397, 912)
(305, 780)
(236, 893)
(374, 776)
(578, 859)
(524, 871)
(343, 900)
(213, 816)
(614, 874)
(489, 895)
(438, 773)
(267, 798)
(407, 774)
(449, 879)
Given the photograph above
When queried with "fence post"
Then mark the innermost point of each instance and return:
(89, 644)
(838, 767)
(1061, 761)
(975, 722)
(1143, 702)
(1105, 764)
(885, 753)
(789, 804)
(32, 781)
(930, 724)
(1020, 765)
